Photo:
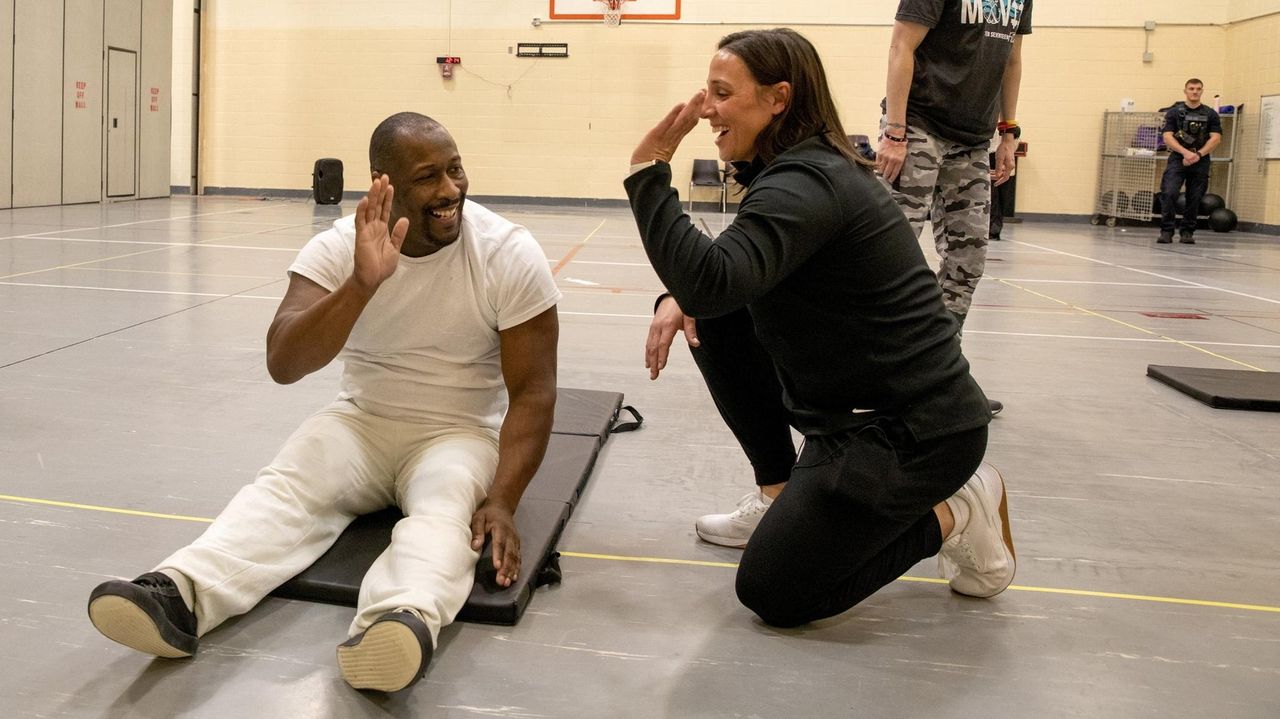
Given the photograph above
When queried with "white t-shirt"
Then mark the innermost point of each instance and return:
(426, 346)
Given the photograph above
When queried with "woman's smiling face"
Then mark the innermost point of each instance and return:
(738, 107)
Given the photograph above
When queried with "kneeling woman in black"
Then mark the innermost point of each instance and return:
(819, 289)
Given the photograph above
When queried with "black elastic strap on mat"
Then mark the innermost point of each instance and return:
(550, 572)
(620, 426)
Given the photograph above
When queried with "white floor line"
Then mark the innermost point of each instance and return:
(161, 244)
(611, 291)
(1187, 283)
(604, 314)
(127, 290)
(627, 316)
(1152, 339)
(1093, 282)
(173, 274)
(616, 264)
(1156, 340)
(1185, 481)
(124, 224)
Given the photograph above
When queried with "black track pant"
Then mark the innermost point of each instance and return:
(856, 514)
(857, 511)
(745, 387)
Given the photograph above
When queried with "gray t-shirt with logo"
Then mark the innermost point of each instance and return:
(960, 64)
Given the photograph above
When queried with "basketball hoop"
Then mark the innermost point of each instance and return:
(612, 12)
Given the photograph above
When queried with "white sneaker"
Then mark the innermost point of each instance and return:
(979, 560)
(735, 528)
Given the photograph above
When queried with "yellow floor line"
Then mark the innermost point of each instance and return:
(650, 560)
(704, 563)
(95, 508)
(934, 580)
(1188, 345)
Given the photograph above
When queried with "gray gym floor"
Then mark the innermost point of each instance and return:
(134, 402)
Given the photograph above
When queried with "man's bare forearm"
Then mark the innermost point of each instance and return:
(307, 338)
(522, 442)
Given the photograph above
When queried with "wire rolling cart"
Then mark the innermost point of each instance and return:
(1133, 161)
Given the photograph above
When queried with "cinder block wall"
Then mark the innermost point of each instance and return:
(289, 81)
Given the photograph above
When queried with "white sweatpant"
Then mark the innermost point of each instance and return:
(343, 462)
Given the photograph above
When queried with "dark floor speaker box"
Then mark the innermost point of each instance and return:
(326, 181)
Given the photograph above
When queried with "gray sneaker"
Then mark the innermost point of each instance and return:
(390, 655)
(146, 614)
(979, 560)
(735, 528)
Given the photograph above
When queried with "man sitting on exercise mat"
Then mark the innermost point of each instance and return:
(444, 314)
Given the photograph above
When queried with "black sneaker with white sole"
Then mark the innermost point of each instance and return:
(147, 614)
(390, 655)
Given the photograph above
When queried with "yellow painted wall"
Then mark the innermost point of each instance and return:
(289, 81)
(1072, 76)
(1253, 70)
(1247, 9)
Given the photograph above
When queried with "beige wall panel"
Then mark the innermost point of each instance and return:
(181, 83)
(6, 103)
(1248, 9)
(1253, 70)
(124, 24)
(1081, 13)
(122, 30)
(155, 98)
(517, 15)
(37, 103)
(1071, 77)
(82, 94)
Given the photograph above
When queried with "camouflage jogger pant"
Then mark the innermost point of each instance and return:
(949, 184)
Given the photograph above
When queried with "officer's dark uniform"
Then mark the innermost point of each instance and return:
(1191, 128)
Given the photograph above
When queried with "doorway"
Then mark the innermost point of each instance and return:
(122, 123)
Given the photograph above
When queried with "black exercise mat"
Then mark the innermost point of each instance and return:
(335, 577)
(565, 469)
(585, 412)
(1223, 388)
(583, 421)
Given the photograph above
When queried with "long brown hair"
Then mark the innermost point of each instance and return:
(784, 55)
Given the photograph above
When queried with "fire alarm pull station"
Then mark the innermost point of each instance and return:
(446, 63)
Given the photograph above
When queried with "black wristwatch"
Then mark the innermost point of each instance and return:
(1016, 131)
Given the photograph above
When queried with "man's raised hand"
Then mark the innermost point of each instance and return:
(377, 244)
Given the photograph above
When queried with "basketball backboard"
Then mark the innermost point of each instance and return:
(634, 10)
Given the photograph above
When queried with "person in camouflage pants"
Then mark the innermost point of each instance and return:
(948, 184)
(955, 67)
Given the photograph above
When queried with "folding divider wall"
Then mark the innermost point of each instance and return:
(59, 144)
